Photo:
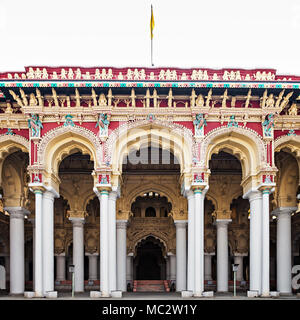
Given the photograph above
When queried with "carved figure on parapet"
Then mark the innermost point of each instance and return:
(132, 96)
(55, 97)
(35, 125)
(78, 74)
(200, 101)
(193, 98)
(70, 74)
(270, 102)
(32, 100)
(263, 99)
(44, 73)
(69, 121)
(94, 96)
(8, 109)
(102, 100)
(63, 74)
(277, 104)
(225, 97)
(293, 110)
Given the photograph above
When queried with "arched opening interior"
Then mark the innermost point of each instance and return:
(149, 263)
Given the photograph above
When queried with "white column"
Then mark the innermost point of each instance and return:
(33, 251)
(78, 253)
(191, 242)
(255, 200)
(238, 259)
(38, 252)
(121, 255)
(168, 267)
(199, 241)
(180, 254)
(93, 266)
(104, 253)
(129, 267)
(112, 198)
(222, 254)
(265, 275)
(172, 266)
(16, 239)
(284, 249)
(48, 241)
(61, 267)
(207, 266)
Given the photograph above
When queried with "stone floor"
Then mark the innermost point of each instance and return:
(150, 296)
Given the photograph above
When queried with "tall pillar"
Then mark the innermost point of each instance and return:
(168, 267)
(112, 241)
(191, 242)
(199, 240)
(78, 253)
(255, 200)
(33, 251)
(104, 253)
(284, 249)
(48, 241)
(180, 254)
(129, 268)
(93, 259)
(16, 239)
(38, 244)
(172, 266)
(121, 255)
(265, 280)
(238, 259)
(222, 254)
(61, 267)
(207, 266)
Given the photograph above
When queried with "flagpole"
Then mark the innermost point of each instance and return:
(152, 52)
(151, 28)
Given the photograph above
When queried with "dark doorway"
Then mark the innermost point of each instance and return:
(150, 264)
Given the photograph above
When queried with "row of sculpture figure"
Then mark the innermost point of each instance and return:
(140, 74)
(266, 101)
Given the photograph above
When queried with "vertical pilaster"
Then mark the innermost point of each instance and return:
(16, 239)
(48, 241)
(61, 267)
(208, 266)
(222, 254)
(180, 254)
(93, 259)
(238, 259)
(129, 268)
(191, 242)
(265, 280)
(104, 254)
(284, 249)
(255, 199)
(172, 258)
(78, 253)
(112, 242)
(199, 240)
(121, 254)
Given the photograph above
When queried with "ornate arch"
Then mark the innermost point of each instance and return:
(290, 143)
(130, 135)
(63, 140)
(8, 144)
(145, 234)
(244, 143)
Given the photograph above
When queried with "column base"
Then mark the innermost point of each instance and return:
(29, 294)
(51, 294)
(116, 294)
(95, 294)
(208, 294)
(274, 294)
(186, 294)
(265, 295)
(105, 294)
(286, 294)
(252, 293)
(198, 294)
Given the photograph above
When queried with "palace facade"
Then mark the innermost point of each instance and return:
(143, 177)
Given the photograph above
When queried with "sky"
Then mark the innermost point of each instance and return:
(211, 34)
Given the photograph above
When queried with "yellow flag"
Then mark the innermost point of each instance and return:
(151, 23)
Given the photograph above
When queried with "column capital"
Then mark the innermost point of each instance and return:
(252, 194)
(113, 195)
(63, 254)
(209, 253)
(17, 212)
(283, 211)
(222, 222)
(180, 223)
(202, 189)
(266, 189)
(122, 224)
(238, 254)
